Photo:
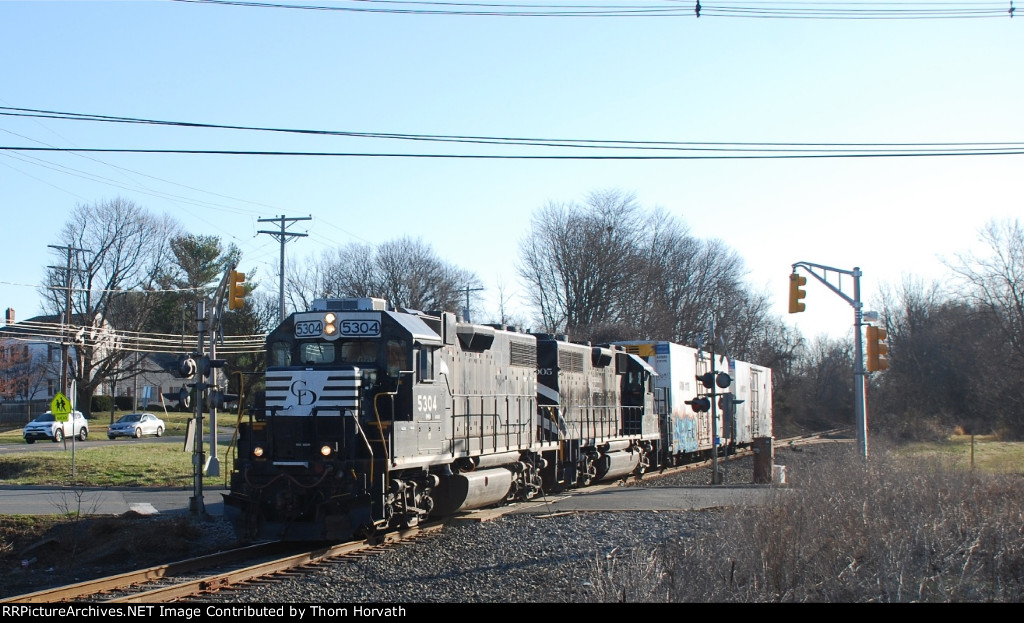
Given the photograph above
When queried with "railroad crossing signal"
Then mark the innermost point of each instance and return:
(797, 293)
(877, 349)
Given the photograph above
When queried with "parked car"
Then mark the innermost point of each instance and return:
(136, 425)
(46, 426)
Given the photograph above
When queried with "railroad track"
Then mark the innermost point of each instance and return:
(214, 573)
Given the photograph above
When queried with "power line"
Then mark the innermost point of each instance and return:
(669, 9)
(1016, 150)
(498, 140)
(694, 150)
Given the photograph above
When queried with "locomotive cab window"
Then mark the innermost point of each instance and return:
(398, 358)
(313, 353)
(424, 363)
(281, 354)
(359, 351)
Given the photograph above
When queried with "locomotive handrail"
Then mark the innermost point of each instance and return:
(366, 440)
(380, 429)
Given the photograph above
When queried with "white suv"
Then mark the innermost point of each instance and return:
(47, 427)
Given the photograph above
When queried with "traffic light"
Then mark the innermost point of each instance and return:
(236, 290)
(796, 293)
(877, 349)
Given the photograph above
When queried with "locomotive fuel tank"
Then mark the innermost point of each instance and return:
(477, 489)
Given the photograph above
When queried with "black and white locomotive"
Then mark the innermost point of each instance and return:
(376, 418)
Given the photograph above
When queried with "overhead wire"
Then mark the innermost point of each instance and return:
(691, 150)
(750, 9)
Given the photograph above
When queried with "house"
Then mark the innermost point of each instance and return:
(32, 365)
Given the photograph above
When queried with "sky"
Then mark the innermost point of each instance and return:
(729, 76)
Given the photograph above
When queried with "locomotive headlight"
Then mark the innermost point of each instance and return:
(257, 451)
(325, 450)
(329, 327)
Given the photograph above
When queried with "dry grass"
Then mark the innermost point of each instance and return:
(849, 530)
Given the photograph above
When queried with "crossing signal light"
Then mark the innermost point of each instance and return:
(219, 398)
(187, 367)
(877, 349)
(797, 293)
(205, 365)
(236, 290)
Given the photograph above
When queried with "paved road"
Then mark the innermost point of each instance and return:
(94, 441)
(15, 500)
(32, 500)
(28, 500)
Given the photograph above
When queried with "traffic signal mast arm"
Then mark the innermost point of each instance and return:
(821, 273)
(824, 278)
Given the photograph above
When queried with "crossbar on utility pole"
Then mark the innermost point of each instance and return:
(283, 236)
(467, 290)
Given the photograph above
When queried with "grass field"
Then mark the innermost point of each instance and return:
(981, 452)
(142, 463)
(108, 463)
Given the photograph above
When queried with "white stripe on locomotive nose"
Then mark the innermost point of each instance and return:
(547, 392)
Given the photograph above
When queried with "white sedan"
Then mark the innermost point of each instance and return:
(136, 425)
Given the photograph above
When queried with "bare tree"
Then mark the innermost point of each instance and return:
(405, 271)
(608, 270)
(576, 260)
(933, 383)
(996, 281)
(113, 281)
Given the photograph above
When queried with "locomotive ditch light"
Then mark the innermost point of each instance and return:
(257, 451)
(325, 450)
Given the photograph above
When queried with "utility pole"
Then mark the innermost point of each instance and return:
(467, 290)
(282, 236)
(196, 503)
(64, 346)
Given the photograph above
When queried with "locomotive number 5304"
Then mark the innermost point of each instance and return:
(426, 403)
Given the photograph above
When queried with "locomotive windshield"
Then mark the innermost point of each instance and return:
(364, 353)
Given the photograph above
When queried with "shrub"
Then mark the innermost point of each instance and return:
(99, 404)
(854, 530)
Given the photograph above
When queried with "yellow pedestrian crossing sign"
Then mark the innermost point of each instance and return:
(60, 407)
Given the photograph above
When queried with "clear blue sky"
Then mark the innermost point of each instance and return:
(712, 79)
